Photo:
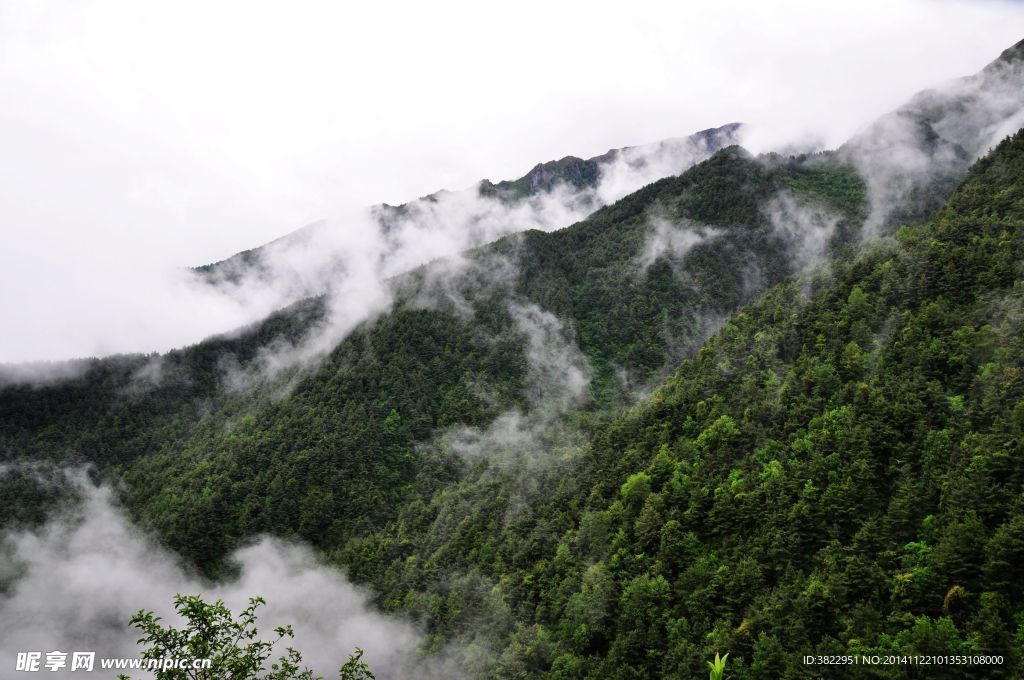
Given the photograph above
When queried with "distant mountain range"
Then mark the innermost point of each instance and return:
(577, 182)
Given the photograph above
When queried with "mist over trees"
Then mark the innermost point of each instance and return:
(771, 407)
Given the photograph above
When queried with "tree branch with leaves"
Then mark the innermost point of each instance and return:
(233, 646)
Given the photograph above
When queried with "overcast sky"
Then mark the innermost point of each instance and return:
(139, 137)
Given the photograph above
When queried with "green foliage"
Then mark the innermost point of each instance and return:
(29, 493)
(717, 667)
(355, 668)
(831, 473)
(233, 645)
(211, 632)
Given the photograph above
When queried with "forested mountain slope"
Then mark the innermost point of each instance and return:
(835, 470)
(337, 453)
(838, 471)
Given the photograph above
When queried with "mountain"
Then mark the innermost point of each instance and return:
(632, 296)
(585, 174)
(836, 472)
(915, 155)
(754, 407)
(551, 195)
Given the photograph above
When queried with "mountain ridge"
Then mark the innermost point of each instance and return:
(572, 171)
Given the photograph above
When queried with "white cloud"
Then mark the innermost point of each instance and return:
(139, 138)
(667, 238)
(806, 229)
(75, 583)
(558, 379)
(937, 134)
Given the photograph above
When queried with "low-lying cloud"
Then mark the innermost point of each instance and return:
(666, 238)
(73, 585)
(557, 380)
(806, 229)
(386, 241)
(932, 140)
(352, 262)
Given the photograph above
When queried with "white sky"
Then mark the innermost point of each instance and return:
(138, 137)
